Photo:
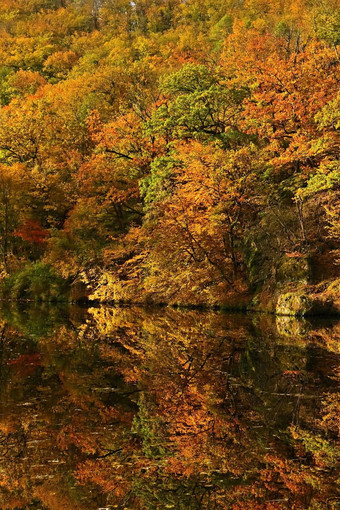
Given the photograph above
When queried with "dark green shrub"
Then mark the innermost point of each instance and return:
(38, 282)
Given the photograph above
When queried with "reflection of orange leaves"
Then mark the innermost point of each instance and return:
(13, 501)
(295, 255)
(75, 435)
(131, 375)
(290, 473)
(292, 373)
(111, 414)
(54, 499)
(253, 505)
(109, 477)
(26, 364)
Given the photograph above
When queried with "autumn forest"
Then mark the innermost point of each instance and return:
(169, 254)
(171, 151)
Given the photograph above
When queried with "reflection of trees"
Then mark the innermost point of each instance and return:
(167, 409)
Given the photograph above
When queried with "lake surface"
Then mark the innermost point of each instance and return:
(157, 409)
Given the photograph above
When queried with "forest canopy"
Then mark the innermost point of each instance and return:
(170, 151)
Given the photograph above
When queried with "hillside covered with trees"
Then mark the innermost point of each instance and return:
(171, 151)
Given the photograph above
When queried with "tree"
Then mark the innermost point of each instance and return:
(13, 182)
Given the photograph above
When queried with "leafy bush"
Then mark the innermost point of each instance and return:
(37, 282)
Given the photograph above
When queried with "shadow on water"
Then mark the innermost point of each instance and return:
(155, 409)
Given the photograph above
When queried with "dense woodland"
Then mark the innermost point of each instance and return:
(169, 151)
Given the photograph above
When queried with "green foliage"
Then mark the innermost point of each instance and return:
(327, 22)
(159, 183)
(326, 179)
(189, 79)
(6, 91)
(222, 28)
(149, 430)
(323, 451)
(38, 282)
(36, 320)
(200, 106)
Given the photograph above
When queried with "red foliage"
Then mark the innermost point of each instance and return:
(32, 232)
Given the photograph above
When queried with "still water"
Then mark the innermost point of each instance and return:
(158, 409)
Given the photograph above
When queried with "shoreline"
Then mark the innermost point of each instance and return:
(223, 308)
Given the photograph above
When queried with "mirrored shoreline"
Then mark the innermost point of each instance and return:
(152, 409)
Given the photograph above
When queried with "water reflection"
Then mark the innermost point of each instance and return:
(142, 409)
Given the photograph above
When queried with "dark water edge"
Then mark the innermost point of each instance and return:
(328, 313)
(155, 408)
